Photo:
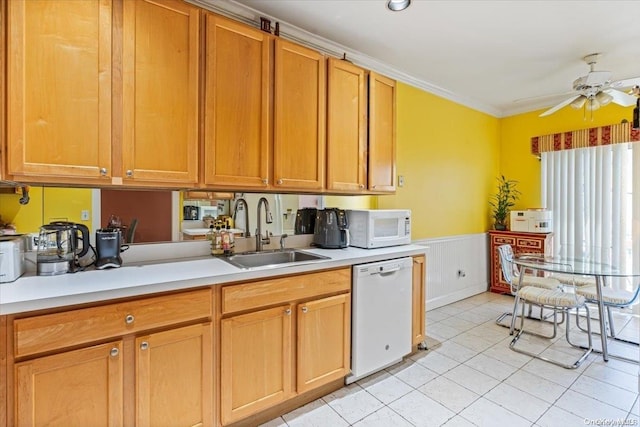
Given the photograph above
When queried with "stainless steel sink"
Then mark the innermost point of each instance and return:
(275, 258)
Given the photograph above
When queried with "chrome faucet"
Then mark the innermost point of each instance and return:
(269, 219)
(246, 215)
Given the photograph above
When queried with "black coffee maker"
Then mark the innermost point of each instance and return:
(108, 243)
(305, 221)
(331, 229)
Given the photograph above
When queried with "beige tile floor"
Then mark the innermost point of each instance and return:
(470, 377)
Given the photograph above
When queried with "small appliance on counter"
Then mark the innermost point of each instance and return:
(12, 261)
(59, 249)
(191, 213)
(532, 221)
(108, 248)
(331, 229)
(305, 221)
(379, 228)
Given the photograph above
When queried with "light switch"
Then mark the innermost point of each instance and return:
(84, 215)
(400, 180)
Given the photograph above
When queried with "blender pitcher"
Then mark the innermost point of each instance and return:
(58, 249)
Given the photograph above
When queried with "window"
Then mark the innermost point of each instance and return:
(596, 207)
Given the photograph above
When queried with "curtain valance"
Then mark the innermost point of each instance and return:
(592, 137)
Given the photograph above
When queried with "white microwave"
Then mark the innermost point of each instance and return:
(379, 228)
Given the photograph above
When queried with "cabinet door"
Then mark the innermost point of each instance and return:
(3, 368)
(77, 388)
(59, 90)
(346, 126)
(324, 341)
(299, 121)
(382, 133)
(174, 380)
(160, 91)
(418, 298)
(237, 109)
(256, 362)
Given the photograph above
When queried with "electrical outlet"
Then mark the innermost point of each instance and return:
(84, 215)
(400, 180)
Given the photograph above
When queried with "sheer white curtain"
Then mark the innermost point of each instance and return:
(596, 206)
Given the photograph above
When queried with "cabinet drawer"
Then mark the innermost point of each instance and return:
(74, 327)
(525, 244)
(263, 293)
(504, 240)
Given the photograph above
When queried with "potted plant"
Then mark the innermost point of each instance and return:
(503, 201)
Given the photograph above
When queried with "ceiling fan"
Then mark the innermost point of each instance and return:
(596, 90)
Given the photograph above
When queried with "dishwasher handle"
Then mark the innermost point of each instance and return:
(387, 272)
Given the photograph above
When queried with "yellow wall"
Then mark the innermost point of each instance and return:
(516, 160)
(351, 202)
(61, 204)
(449, 157)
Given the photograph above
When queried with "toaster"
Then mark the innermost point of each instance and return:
(11, 258)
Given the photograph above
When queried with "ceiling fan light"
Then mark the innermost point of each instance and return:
(603, 98)
(578, 102)
(592, 104)
(398, 5)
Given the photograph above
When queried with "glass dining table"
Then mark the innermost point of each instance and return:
(601, 271)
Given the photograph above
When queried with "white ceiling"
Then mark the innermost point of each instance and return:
(488, 55)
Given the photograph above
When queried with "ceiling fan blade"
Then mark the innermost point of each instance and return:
(597, 77)
(559, 106)
(635, 81)
(621, 98)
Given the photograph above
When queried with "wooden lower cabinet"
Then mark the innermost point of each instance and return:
(324, 341)
(418, 326)
(142, 362)
(75, 388)
(291, 335)
(256, 361)
(174, 381)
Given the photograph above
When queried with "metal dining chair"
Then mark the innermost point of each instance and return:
(562, 300)
(613, 297)
(511, 275)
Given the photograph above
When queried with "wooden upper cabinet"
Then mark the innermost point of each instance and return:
(160, 91)
(382, 133)
(299, 117)
(237, 116)
(59, 90)
(346, 126)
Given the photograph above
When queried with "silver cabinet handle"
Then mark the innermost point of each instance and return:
(129, 173)
(361, 186)
(129, 319)
(305, 309)
(265, 181)
(114, 352)
(144, 345)
(103, 171)
(280, 182)
(287, 312)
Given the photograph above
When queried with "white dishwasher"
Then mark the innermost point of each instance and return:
(381, 315)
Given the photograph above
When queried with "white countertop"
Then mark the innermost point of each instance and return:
(32, 292)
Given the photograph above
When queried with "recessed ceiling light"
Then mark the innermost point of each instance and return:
(398, 5)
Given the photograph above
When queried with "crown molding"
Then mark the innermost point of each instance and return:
(250, 16)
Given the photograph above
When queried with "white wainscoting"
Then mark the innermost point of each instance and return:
(457, 268)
